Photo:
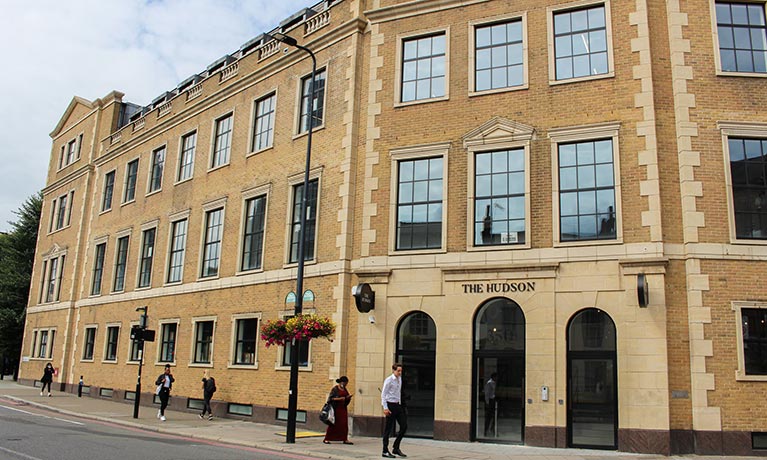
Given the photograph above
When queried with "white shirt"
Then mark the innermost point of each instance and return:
(392, 391)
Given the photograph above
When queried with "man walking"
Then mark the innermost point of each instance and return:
(391, 400)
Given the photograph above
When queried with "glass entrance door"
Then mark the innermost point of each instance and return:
(592, 411)
(498, 405)
(416, 351)
(499, 398)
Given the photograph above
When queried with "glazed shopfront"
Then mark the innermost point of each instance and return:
(526, 360)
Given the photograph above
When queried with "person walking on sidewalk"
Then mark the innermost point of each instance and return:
(340, 398)
(391, 400)
(47, 378)
(164, 383)
(208, 388)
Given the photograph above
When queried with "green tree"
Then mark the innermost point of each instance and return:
(17, 254)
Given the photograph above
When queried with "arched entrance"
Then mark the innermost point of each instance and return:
(416, 351)
(499, 370)
(592, 381)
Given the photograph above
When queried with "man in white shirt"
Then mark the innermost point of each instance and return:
(391, 400)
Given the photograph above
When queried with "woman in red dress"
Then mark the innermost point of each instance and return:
(340, 398)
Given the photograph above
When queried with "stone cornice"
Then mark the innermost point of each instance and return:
(416, 8)
(76, 174)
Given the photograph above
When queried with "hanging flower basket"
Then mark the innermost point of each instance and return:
(301, 327)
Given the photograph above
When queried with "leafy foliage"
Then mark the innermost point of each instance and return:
(17, 255)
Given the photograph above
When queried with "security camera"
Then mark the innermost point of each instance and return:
(372, 319)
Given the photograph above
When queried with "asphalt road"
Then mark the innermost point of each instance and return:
(28, 433)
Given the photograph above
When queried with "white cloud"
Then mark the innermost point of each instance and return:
(53, 50)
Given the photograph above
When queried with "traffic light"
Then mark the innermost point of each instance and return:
(139, 333)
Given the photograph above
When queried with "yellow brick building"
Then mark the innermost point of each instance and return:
(558, 204)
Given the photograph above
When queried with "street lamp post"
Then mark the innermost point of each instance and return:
(290, 436)
(142, 327)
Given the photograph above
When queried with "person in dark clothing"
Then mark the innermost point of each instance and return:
(164, 383)
(47, 378)
(208, 388)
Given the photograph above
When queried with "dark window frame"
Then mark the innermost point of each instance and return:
(253, 233)
(211, 250)
(131, 177)
(732, 31)
(754, 326)
(408, 180)
(203, 345)
(311, 221)
(177, 250)
(168, 334)
(147, 257)
(492, 48)
(89, 342)
(244, 345)
(222, 141)
(121, 263)
(264, 115)
(317, 101)
(748, 183)
(564, 54)
(158, 167)
(112, 341)
(186, 160)
(489, 168)
(109, 187)
(98, 268)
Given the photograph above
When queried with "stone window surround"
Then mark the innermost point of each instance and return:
(254, 116)
(193, 342)
(233, 343)
(95, 327)
(36, 335)
(281, 349)
(400, 43)
(158, 339)
(210, 206)
(172, 220)
(580, 4)
(149, 190)
(498, 144)
(106, 343)
(261, 190)
(122, 233)
(297, 133)
(96, 242)
(473, 25)
(56, 253)
(78, 140)
(293, 181)
(716, 50)
(153, 224)
(179, 164)
(740, 373)
(609, 130)
(414, 153)
(738, 130)
(222, 115)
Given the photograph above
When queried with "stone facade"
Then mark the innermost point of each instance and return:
(656, 91)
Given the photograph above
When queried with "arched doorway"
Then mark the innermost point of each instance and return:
(499, 368)
(592, 381)
(416, 351)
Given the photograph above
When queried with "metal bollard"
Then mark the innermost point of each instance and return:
(80, 388)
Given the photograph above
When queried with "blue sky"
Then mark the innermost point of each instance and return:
(52, 50)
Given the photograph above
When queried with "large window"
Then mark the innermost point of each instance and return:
(263, 127)
(61, 212)
(223, 141)
(311, 221)
(88, 342)
(98, 268)
(109, 187)
(203, 342)
(177, 247)
(748, 159)
(168, 342)
(110, 350)
(424, 68)
(587, 191)
(419, 203)
(580, 42)
(742, 37)
(211, 254)
(246, 338)
(131, 173)
(43, 351)
(315, 102)
(186, 165)
(499, 203)
(754, 322)
(147, 256)
(121, 261)
(499, 56)
(158, 164)
(52, 278)
(253, 238)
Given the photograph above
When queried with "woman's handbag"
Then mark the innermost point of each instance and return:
(327, 414)
(157, 391)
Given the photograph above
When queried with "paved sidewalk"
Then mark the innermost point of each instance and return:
(266, 436)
